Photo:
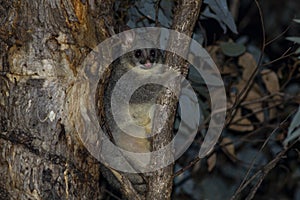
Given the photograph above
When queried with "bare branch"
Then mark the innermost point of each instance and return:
(160, 181)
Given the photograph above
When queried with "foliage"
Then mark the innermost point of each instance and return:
(295, 39)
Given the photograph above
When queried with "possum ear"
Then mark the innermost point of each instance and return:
(127, 36)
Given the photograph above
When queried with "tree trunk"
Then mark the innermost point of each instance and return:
(42, 44)
(185, 17)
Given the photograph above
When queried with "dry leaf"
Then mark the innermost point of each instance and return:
(218, 57)
(253, 95)
(271, 81)
(229, 69)
(242, 125)
(248, 62)
(216, 54)
(211, 162)
(228, 146)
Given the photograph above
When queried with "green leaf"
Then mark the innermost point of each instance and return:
(194, 76)
(294, 136)
(232, 49)
(297, 51)
(176, 123)
(295, 122)
(294, 39)
(294, 129)
(296, 20)
(223, 14)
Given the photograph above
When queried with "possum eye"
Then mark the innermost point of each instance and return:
(138, 53)
(152, 52)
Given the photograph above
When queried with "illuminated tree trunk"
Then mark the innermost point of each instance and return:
(42, 44)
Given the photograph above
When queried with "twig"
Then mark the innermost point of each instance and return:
(266, 169)
(246, 182)
(255, 112)
(192, 163)
(278, 36)
(284, 55)
(111, 194)
(290, 74)
(234, 9)
(247, 88)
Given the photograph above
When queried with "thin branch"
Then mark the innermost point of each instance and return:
(295, 65)
(284, 55)
(255, 112)
(234, 9)
(278, 36)
(246, 182)
(161, 181)
(266, 169)
(248, 86)
(192, 163)
(111, 194)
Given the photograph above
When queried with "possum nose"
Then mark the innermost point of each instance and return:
(148, 64)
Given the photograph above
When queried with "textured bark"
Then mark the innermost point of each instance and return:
(42, 44)
(160, 181)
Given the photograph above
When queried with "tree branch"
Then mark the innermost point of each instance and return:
(161, 181)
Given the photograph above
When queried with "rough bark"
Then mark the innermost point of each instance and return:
(160, 181)
(42, 44)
